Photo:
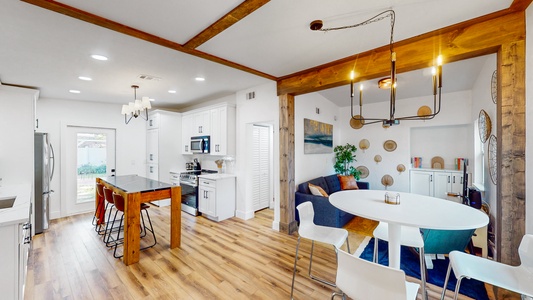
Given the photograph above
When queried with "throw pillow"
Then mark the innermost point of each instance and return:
(348, 182)
(317, 190)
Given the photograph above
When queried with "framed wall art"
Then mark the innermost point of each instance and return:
(318, 137)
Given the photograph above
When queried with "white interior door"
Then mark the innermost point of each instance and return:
(88, 153)
(261, 167)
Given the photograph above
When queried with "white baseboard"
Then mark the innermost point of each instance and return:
(275, 225)
(244, 215)
(55, 215)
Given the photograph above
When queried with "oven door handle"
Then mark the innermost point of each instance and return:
(188, 183)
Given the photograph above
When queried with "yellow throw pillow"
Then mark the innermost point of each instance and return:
(348, 182)
(317, 190)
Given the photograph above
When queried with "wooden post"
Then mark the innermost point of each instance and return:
(511, 136)
(175, 217)
(286, 163)
(132, 212)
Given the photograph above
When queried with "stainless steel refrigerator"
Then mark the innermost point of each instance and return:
(44, 171)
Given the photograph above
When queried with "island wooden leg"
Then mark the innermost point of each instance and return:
(175, 217)
(132, 212)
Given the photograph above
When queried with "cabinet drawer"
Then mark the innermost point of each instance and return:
(207, 182)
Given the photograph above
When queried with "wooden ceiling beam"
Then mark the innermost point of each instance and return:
(472, 38)
(115, 26)
(520, 5)
(234, 16)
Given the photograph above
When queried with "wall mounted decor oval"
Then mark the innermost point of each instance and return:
(400, 168)
(364, 144)
(424, 111)
(389, 145)
(377, 158)
(364, 172)
(387, 180)
(484, 125)
(493, 161)
(494, 87)
(358, 122)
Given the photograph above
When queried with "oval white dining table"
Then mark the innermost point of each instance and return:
(414, 210)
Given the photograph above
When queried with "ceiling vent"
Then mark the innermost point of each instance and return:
(149, 77)
(250, 95)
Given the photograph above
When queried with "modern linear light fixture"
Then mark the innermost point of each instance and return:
(358, 121)
(136, 108)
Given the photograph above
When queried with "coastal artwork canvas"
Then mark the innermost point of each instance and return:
(318, 137)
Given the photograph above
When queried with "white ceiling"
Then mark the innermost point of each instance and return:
(47, 50)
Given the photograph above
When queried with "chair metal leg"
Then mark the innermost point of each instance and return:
(338, 294)
(457, 286)
(423, 272)
(376, 258)
(151, 229)
(311, 263)
(294, 268)
(118, 240)
(446, 281)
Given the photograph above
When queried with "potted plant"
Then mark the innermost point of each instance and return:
(344, 157)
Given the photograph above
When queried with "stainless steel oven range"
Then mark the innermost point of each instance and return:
(189, 190)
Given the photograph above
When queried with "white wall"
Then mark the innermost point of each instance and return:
(130, 138)
(16, 135)
(401, 134)
(529, 121)
(264, 109)
(481, 93)
(309, 166)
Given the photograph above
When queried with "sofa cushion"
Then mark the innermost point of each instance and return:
(317, 190)
(304, 187)
(348, 182)
(333, 183)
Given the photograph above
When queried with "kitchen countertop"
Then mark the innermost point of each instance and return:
(20, 212)
(216, 176)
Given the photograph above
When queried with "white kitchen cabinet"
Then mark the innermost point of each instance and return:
(163, 144)
(15, 234)
(216, 196)
(201, 123)
(217, 122)
(437, 183)
(223, 130)
(186, 133)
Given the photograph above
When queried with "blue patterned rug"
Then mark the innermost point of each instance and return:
(410, 265)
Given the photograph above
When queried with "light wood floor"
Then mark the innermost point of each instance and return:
(232, 259)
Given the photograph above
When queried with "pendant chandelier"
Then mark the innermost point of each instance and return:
(136, 108)
(424, 113)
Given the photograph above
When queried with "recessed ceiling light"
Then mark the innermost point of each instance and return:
(85, 78)
(199, 79)
(152, 99)
(172, 91)
(98, 57)
(74, 91)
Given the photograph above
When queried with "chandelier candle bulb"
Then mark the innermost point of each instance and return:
(439, 69)
(360, 95)
(352, 76)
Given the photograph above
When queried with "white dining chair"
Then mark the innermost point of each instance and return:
(518, 279)
(364, 280)
(411, 237)
(323, 234)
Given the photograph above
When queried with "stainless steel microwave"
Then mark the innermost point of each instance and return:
(200, 144)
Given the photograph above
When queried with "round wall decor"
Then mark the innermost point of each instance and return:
(494, 87)
(377, 158)
(387, 180)
(358, 122)
(424, 111)
(389, 145)
(485, 126)
(364, 172)
(400, 168)
(493, 159)
(364, 144)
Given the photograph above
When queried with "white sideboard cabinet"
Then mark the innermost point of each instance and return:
(437, 183)
(163, 140)
(216, 196)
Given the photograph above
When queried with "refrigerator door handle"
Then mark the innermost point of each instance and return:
(52, 158)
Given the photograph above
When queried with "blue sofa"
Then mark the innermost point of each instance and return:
(325, 213)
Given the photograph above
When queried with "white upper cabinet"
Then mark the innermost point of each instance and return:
(217, 122)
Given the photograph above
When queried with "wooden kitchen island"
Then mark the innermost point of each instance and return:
(137, 190)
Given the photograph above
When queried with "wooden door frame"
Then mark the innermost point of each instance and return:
(502, 33)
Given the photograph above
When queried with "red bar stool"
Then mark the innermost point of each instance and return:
(119, 240)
